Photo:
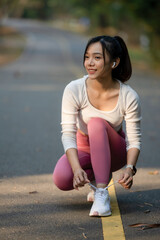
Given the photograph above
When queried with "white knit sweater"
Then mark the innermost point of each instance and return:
(77, 111)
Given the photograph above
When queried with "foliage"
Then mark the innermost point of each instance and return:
(7, 7)
(148, 11)
(137, 18)
(147, 14)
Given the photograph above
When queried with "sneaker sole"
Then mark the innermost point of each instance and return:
(90, 199)
(101, 215)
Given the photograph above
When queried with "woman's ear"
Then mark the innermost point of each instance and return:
(116, 63)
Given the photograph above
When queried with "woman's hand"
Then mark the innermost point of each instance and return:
(126, 180)
(80, 178)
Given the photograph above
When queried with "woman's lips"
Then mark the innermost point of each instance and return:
(91, 71)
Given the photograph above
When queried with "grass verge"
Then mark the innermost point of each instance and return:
(12, 44)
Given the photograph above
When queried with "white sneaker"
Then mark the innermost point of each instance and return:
(90, 196)
(101, 205)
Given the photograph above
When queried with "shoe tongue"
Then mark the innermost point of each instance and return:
(101, 189)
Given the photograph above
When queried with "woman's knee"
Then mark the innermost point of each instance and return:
(97, 124)
(62, 181)
(63, 175)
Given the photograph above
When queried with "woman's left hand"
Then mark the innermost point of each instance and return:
(126, 179)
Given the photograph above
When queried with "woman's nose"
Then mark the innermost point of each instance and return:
(91, 62)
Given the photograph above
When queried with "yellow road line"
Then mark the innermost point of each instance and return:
(112, 225)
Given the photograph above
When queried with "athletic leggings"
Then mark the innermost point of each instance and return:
(100, 153)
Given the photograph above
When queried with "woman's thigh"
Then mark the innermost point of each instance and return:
(117, 147)
(117, 144)
(107, 143)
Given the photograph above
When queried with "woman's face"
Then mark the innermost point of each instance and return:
(94, 61)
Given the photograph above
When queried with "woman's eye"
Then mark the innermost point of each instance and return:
(86, 57)
(97, 58)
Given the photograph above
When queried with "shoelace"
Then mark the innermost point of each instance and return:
(100, 195)
(95, 188)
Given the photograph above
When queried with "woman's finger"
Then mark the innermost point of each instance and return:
(78, 182)
(121, 177)
(124, 179)
(74, 185)
(81, 177)
(128, 184)
(129, 179)
(86, 178)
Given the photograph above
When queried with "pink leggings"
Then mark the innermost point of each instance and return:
(100, 153)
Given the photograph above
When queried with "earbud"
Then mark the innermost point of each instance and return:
(114, 64)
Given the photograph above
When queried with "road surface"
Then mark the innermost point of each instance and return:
(31, 207)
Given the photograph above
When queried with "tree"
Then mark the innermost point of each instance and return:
(148, 14)
(7, 7)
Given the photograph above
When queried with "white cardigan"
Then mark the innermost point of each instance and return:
(77, 111)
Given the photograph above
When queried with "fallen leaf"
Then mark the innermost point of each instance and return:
(153, 173)
(147, 211)
(81, 228)
(140, 206)
(144, 226)
(149, 204)
(84, 235)
(33, 192)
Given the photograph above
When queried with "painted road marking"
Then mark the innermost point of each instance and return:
(112, 225)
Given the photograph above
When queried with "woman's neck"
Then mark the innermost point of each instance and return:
(101, 84)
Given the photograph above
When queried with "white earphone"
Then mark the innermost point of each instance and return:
(114, 64)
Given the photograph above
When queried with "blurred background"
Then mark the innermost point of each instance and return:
(137, 21)
(52, 35)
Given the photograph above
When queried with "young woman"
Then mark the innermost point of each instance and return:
(93, 110)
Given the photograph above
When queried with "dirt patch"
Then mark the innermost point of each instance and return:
(11, 44)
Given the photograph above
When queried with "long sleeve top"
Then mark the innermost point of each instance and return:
(77, 111)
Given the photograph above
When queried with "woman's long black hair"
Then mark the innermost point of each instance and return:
(116, 48)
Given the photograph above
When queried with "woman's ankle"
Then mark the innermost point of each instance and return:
(101, 185)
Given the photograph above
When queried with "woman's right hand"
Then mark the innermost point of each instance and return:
(80, 178)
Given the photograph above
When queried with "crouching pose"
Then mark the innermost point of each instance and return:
(93, 110)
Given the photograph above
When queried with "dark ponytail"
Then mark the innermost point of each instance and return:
(116, 48)
(124, 70)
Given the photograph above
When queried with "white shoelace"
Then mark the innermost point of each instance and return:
(92, 186)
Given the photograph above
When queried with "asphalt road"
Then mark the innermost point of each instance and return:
(31, 207)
